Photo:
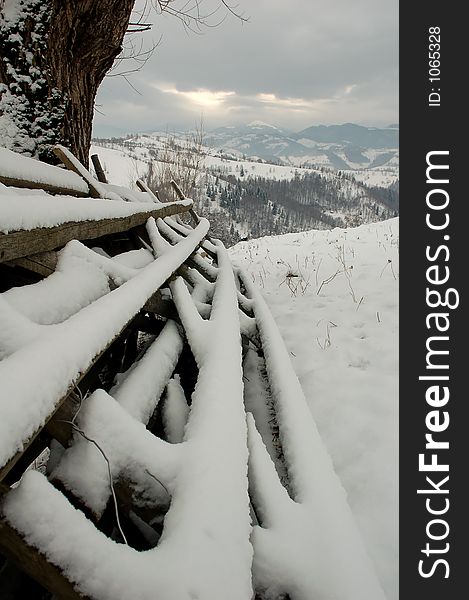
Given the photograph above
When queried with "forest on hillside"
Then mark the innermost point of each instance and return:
(259, 206)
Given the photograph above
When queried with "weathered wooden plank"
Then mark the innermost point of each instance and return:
(143, 187)
(73, 164)
(18, 244)
(170, 268)
(59, 426)
(35, 564)
(177, 189)
(65, 410)
(23, 172)
(9, 465)
(43, 263)
(27, 457)
(159, 306)
(42, 185)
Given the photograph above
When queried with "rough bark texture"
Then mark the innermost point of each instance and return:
(84, 40)
(73, 47)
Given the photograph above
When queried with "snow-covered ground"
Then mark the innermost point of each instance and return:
(334, 295)
(121, 169)
(124, 166)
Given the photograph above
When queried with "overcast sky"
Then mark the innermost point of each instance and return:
(296, 63)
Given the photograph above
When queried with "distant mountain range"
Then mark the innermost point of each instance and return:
(356, 135)
(346, 146)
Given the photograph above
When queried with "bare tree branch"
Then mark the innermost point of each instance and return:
(191, 15)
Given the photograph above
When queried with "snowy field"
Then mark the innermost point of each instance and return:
(334, 295)
(121, 169)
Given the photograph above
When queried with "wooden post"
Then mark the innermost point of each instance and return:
(100, 174)
(72, 164)
(181, 196)
(177, 189)
(143, 187)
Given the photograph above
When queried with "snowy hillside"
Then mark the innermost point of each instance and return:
(346, 146)
(361, 150)
(245, 198)
(122, 162)
(334, 295)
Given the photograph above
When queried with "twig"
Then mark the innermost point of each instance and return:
(328, 280)
(160, 482)
(111, 483)
(384, 268)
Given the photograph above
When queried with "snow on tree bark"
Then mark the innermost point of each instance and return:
(53, 56)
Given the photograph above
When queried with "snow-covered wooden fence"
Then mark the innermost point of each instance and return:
(180, 460)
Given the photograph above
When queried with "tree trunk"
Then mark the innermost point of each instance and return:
(53, 56)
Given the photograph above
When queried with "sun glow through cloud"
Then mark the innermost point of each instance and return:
(317, 62)
(201, 97)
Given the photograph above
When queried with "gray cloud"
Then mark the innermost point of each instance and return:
(294, 64)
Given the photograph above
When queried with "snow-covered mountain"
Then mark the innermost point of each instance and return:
(257, 139)
(356, 135)
(344, 147)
